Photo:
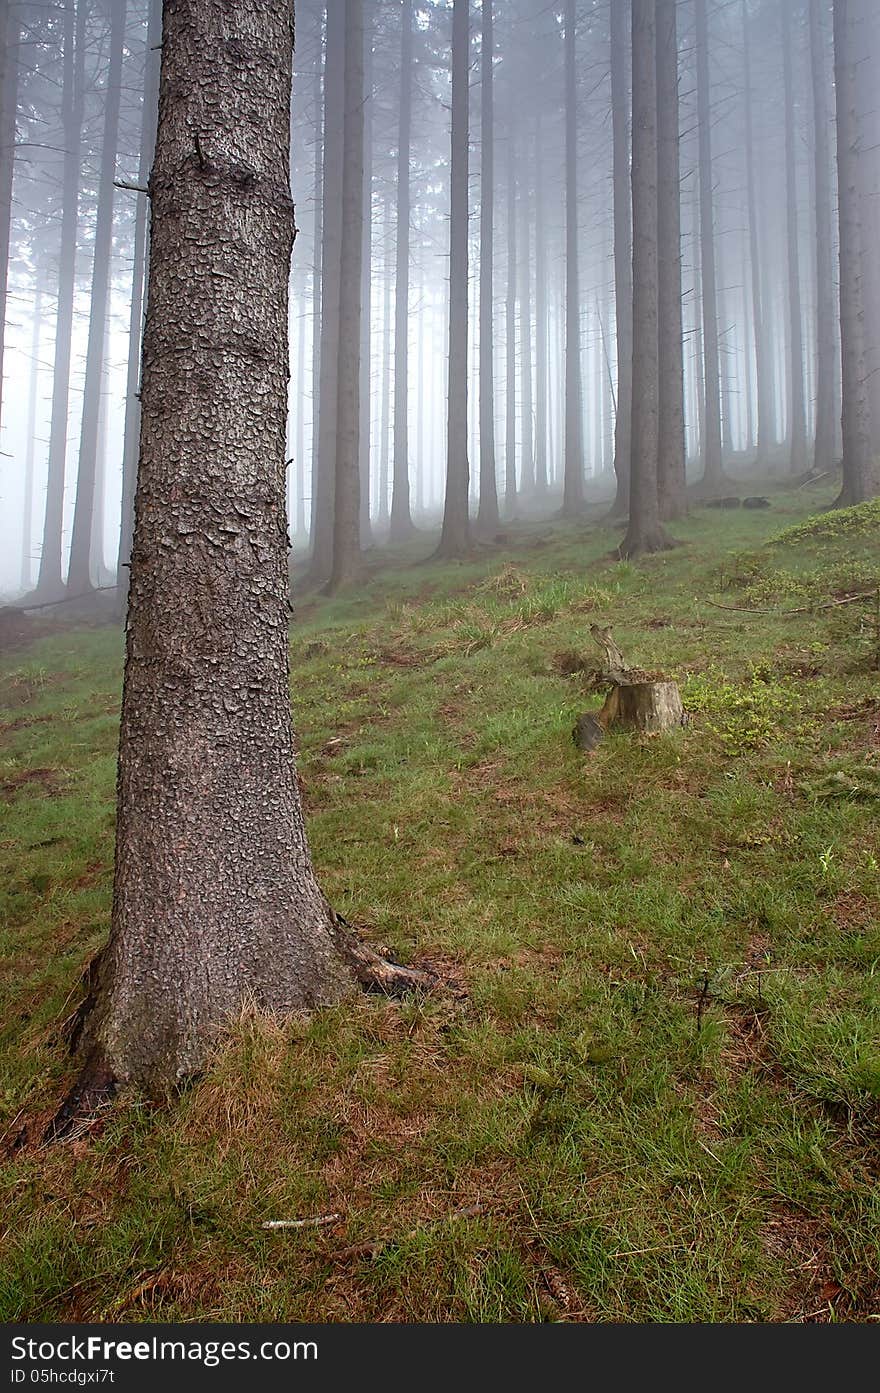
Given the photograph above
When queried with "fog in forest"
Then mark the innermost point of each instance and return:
(549, 218)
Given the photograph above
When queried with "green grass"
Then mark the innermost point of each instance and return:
(648, 1089)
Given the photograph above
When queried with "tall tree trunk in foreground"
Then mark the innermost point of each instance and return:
(644, 533)
(78, 575)
(671, 449)
(140, 254)
(573, 489)
(797, 432)
(401, 519)
(713, 472)
(487, 517)
(622, 256)
(347, 493)
(858, 473)
(49, 583)
(215, 901)
(454, 539)
(867, 20)
(826, 339)
(27, 529)
(367, 283)
(317, 261)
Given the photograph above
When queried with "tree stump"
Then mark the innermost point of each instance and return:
(637, 700)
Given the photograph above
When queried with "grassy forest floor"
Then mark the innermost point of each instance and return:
(647, 1088)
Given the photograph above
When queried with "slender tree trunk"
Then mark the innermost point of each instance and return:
(367, 282)
(27, 537)
(487, 517)
(573, 491)
(622, 255)
(347, 493)
(527, 464)
(859, 481)
(323, 482)
(671, 448)
(455, 536)
(49, 583)
(9, 41)
(385, 415)
(645, 533)
(826, 346)
(298, 511)
(140, 258)
(510, 326)
(763, 371)
(215, 901)
(540, 318)
(867, 19)
(713, 472)
(401, 519)
(317, 264)
(797, 422)
(78, 576)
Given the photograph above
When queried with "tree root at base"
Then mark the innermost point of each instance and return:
(96, 1084)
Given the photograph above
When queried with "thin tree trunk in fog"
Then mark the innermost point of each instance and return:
(540, 319)
(367, 283)
(713, 472)
(140, 257)
(78, 576)
(797, 432)
(644, 533)
(573, 489)
(858, 473)
(622, 254)
(385, 408)
(317, 262)
(487, 517)
(765, 431)
(671, 447)
(215, 900)
(347, 493)
(527, 456)
(868, 100)
(401, 519)
(454, 539)
(9, 64)
(323, 481)
(420, 407)
(49, 583)
(27, 535)
(510, 326)
(826, 346)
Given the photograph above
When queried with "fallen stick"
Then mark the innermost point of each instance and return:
(807, 609)
(320, 1221)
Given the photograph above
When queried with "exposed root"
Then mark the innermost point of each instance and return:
(376, 974)
(95, 1086)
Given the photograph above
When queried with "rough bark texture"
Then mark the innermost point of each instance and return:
(215, 900)
(649, 706)
(347, 492)
(826, 344)
(644, 533)
(797, 421)
(573, 486)
(78, 575)
(455, 537)
(711, 444)
(622, 256)
(487, 517)
(671, 448)
(858, 473)
(401, 519)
